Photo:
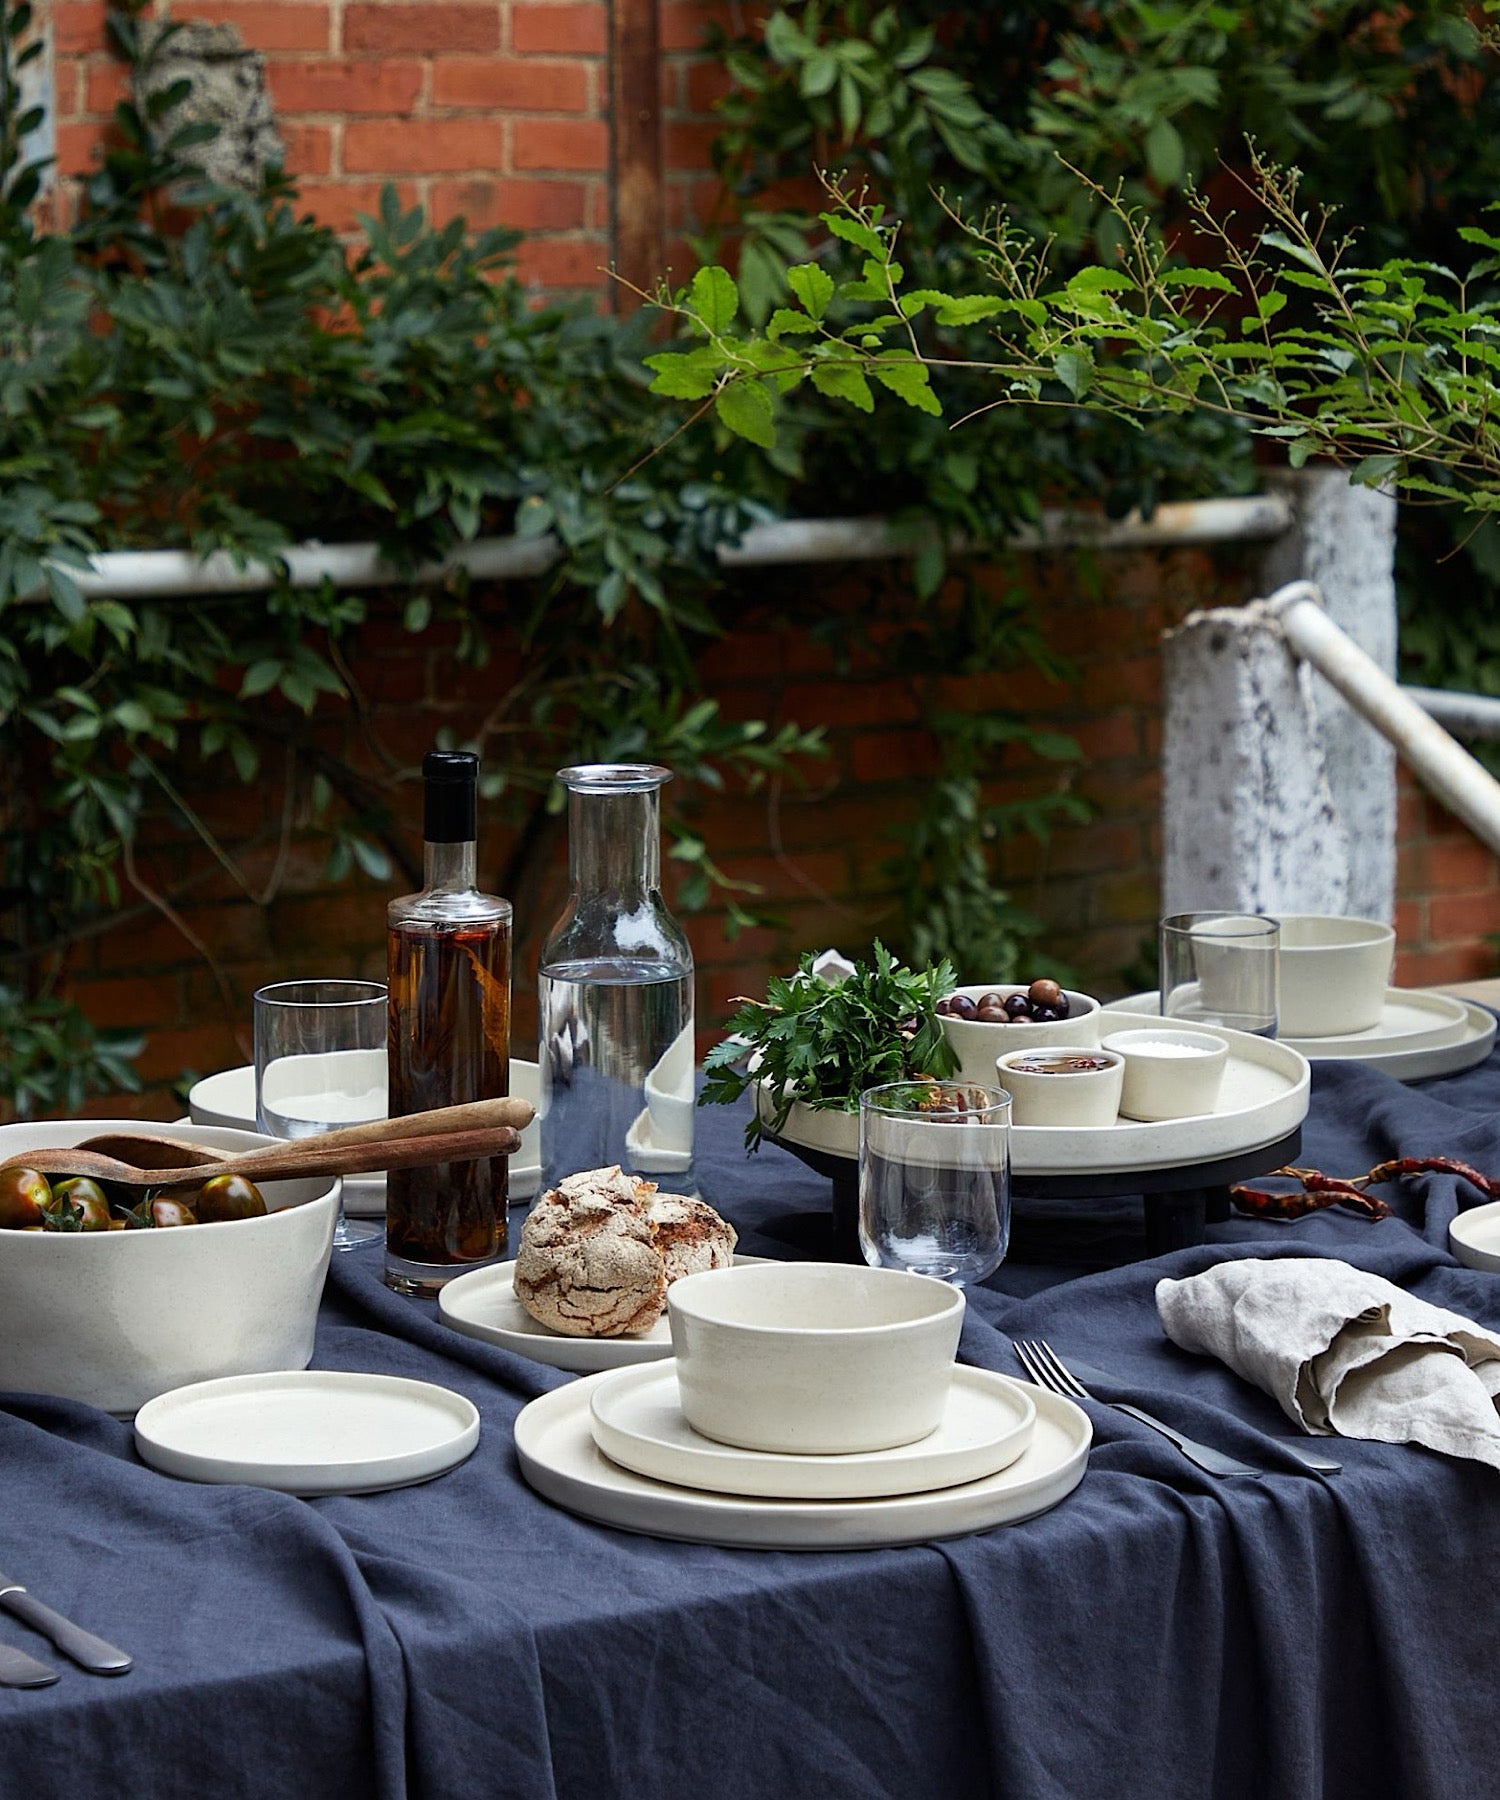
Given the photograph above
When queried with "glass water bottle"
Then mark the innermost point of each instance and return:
(616, 992)
(449, 1036)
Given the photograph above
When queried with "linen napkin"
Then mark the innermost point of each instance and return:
(1345, 1352)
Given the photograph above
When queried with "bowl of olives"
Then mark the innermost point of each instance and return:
(113, 1295)
(984, 1022)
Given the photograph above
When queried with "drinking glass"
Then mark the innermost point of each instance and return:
(1221, 968)
(934, 1178)
(320, 1063)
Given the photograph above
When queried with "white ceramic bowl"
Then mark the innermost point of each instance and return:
(820, 1358)
(116, 1317)
(1170, 1072)
(977, 1043)
(1062, 1096)
(1334, 974)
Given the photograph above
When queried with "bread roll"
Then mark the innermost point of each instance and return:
(690, 1235)
(588, 1264)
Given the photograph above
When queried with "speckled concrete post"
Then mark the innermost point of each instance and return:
(1249, 820)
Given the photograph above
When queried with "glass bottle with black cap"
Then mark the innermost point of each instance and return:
(449, 1040)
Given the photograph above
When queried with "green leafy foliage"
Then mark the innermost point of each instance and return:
(823, 1043)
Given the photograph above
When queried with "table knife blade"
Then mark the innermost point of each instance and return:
(79, 1646)
(20, 1669)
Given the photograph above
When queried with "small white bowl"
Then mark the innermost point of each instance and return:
(1062, 1096)
(822, 1358)
(977, 1043)
(115, 1318)
(1170, 1072)
(1334, 974)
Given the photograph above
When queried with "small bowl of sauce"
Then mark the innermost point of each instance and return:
(1062, 1084)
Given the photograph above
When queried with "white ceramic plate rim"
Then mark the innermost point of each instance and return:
(1472, 1044)
(1444, 1017)
(399, 1465)
(560, 1459)
(460, 1300)
(686, 1459)
(1466, 1232)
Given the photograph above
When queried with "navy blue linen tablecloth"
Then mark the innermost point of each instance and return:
(1159, 1634)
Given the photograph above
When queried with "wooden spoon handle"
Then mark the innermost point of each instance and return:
(475, 1115)
(321, 1156)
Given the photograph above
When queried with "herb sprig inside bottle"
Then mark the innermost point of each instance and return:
(824, 1043)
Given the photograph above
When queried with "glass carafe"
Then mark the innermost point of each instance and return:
(616, 992)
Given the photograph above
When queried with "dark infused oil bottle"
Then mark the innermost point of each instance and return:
(448, 957)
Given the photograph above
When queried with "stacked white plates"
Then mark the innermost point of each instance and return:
(615, 1447)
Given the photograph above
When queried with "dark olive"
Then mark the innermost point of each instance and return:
(85, 1200)
(992, 1011)
(961, 1007)
(1017, 1007)
(941, 1009)
(24, 1196)
(1044, 992)
(1045, 1015)
(228, 1197)
(990, 999)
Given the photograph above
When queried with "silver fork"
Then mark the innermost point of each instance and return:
(1047, 1370)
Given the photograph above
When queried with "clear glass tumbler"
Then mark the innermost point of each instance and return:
(320, 1063)
(934, 1178)
(1221, 968)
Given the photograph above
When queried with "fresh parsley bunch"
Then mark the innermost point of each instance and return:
(824, 1042)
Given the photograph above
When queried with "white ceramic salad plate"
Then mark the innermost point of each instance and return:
(638, 1423)
(484, 1305)
(1474, 1237)
(1420, 1034)
(559, 1458)
(308, 1431)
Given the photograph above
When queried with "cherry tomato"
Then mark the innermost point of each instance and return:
(24, 1196)
(228, 1197)
(159, 1211)
(82, 1200)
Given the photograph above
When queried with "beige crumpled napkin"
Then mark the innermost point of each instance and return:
(1344, 1351)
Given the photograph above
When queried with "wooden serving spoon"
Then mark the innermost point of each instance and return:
(483, 1128)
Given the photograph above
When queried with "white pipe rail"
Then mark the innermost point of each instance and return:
(1465, 715)
(1443, 767)
(166, 574)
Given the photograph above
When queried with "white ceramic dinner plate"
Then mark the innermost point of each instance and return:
(1420, 1034)
(638, 1423)
(1262, 1097)
(308, 1431)
(1474, 1237)
(560, 1459)
(484, 1305)
(228, 1098)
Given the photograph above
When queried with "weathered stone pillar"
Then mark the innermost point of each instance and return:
(1249, 818)
(1344, 539)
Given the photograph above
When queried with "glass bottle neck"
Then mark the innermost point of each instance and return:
(450, 868)
(614, 842)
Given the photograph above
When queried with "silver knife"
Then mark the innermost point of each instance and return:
(18, 1669)
(78, 1645)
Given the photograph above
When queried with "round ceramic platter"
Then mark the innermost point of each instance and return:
(484, 1305)
(308, 1431)
(561, 1461)
(638, 1423)
(1474, 1237)
(1262, 1099)
(1464, 1032)
(228, 1098)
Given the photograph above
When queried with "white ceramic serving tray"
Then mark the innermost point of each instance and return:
(1421, 1034)
(309, 1431)
(560, 1459)
(228, 1098)
(483, 1305)
(1474, 1237)
(638, 1423)
(1263, 1097)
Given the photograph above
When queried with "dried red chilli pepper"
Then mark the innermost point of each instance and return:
(1318, 1190)
(1488, 1185)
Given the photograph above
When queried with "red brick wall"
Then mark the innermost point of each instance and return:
(494, 109)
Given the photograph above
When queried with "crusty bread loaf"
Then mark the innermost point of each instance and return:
(588, 1264)
(598, 1252)
(690, 1235)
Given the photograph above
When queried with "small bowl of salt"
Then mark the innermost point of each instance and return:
(1170, 1073)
